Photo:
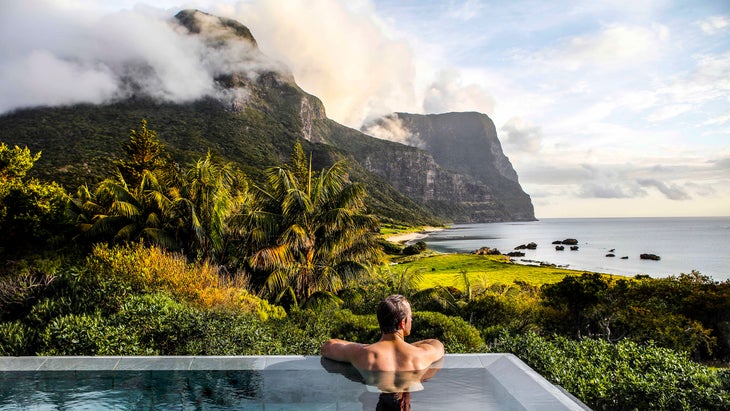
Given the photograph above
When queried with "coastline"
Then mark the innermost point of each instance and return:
(406, 237)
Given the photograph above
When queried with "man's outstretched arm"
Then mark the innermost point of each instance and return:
(341, 350)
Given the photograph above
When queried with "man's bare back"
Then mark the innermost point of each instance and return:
(392, 352)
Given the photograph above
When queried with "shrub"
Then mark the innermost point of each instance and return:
(620, 376)
(136, 268)
(15, 339)
(456, 334)
(87, 334)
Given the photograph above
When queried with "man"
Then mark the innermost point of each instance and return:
(392, 352)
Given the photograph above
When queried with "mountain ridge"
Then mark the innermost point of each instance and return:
(253, 120)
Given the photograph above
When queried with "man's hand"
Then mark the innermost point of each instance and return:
(341, 350)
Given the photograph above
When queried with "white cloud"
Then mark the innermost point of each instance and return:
(714, 24)
(718, 120)
(669, 112)
(522, 135)
(338, 53)
(672, 192)
(467, 10)
(449, 93)
(65, 56)
(614, 45)
(391, 128)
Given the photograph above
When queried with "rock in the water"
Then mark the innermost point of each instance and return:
(650, 257)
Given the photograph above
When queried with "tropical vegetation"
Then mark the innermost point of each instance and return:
(162, 258)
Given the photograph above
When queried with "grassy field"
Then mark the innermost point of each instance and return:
(447, 269)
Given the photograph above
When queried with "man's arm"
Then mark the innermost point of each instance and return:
(341, 350)
(432, 349)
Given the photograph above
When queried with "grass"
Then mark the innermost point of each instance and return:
(447, 269)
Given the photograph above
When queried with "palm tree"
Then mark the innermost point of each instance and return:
(311, 235)
(115, 213)
(209, 194)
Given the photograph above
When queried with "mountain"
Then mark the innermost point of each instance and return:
(476, 181)
(252, 118)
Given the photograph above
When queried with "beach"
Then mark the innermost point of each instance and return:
(414, 236)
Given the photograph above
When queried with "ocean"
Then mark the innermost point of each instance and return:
(683, 244)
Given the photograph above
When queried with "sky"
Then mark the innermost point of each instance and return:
(605, 108)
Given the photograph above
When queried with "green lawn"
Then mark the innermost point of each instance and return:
(446, 269)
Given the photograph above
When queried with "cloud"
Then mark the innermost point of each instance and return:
(341, 52)
(448, 93)
(522, 135)
(614, 45)
(66, 56)
(391, 128)
(714, 24)
(466, 11)
(672, 192)
(669, 112)
(596, 190)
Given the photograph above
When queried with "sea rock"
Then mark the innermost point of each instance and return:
(610, 255)
(559, 248)
(626, 257)
(487, 251)
(529, 246)
(573, 248)
(515, 254)
(570, 241)
(650, 257)
(558, 242)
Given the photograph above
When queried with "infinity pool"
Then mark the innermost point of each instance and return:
(460, 382)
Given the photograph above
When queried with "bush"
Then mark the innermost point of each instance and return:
(124, 270)
(621, 376)
(88, 335)
(456, 334)
(15, 339)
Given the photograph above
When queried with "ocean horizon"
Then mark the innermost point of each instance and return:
(683, 244)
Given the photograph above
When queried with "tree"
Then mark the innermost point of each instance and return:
(212, 193)
(310, 235)
(31, 212)
(118, 213)
(143, 152)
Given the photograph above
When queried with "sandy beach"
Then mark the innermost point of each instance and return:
(405, 237)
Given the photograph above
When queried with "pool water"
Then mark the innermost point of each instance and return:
(284, 383)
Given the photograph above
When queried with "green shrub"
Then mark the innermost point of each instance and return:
(15, 339)
(88, 334)
(623, 376)
(390, 247)
(456, 334)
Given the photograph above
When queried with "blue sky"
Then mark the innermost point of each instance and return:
(605, 108)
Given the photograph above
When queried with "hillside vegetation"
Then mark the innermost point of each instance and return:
(168, 258)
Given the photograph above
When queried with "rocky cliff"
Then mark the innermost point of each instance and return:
(460, 172)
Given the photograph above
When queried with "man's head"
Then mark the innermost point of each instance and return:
(392, 311)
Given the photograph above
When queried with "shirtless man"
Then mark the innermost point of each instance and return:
(392, 352)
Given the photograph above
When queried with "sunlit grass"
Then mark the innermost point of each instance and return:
(446, 270)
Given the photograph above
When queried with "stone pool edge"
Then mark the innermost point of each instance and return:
(516, 377)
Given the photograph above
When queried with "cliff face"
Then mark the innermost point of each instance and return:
(462, 172)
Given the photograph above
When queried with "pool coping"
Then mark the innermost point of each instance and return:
(524, 384)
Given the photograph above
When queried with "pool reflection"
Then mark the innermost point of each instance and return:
(391, 389)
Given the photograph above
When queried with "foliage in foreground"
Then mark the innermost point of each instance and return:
(622, 376)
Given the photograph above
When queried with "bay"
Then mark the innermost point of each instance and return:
(683, 244)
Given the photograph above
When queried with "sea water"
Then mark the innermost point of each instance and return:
(683, 244)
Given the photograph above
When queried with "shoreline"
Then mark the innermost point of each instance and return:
(406, 237)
